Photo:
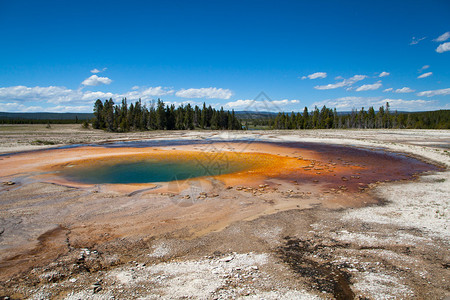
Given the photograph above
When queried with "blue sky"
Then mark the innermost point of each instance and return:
(63, 55)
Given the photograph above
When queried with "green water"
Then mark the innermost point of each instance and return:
(145, 171)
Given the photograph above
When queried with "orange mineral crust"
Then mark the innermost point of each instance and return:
(253, 167)
(244, 164)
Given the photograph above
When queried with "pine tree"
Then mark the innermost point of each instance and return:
(189, 117)
(380, 117)
(214, 120)
(152, 119)
(170, 117)
(315, 118)
(108, 112)
(203, 116)
(196, 116)
(387, 117)
(371, 117)
(160, 115)
(99, 120)
(124, 126)
(335, 119)
(305, 118)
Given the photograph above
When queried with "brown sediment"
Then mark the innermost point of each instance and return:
(322, 275)
(49, 246)
(278, 178)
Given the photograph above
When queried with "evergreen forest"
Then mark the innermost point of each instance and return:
(123, 118)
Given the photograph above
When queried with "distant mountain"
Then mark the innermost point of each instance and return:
(268, 114)
(255, 114)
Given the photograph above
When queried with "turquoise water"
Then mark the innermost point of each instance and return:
(146, 171)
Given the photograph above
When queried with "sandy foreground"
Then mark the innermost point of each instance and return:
(243, 236)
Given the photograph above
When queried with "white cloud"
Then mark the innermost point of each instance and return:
(443, 47)
(147, 93)
(424, 68)
(349, 103)
(404, 90)
(240, 103)
(345, 82)
(15, 107)
(384, 74)
(368, 87)
(411, 105)
(95, 70)
(434, 92)
(64, 97)
(95, 80)
(18, 107)
(59, 95)
(90, 96)
(285, 102)
(136, 87)
(37, 93)
(415, 40)
(316, 75)
(184, 103)
(157, 91)
(211, 93)
(424, 75)
(443, 37)
(253, 105)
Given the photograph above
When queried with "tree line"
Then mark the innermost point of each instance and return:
(384, 118)
(124, 117)
(136, 116)
(37, 121)
(44, 118)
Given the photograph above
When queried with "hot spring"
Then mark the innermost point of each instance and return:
(331, 166)
(146, 170)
